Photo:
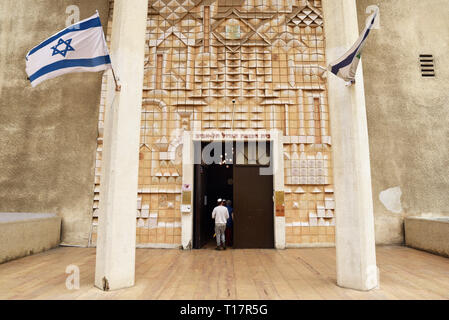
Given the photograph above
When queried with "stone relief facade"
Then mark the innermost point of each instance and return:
(267, 56)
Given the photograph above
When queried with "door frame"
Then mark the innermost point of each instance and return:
(188, 177)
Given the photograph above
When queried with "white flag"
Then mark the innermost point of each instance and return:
(78, 48)
(346, 66)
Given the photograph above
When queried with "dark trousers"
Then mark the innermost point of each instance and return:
(229, 236)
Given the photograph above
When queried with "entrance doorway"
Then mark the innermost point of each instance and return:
(251, 192)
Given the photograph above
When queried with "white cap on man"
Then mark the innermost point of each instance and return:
(219, 200)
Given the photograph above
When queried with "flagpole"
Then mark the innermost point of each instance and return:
(118, 87)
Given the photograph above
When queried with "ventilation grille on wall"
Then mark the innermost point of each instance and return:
(427, 65)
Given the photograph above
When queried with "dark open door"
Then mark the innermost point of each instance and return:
(212, 181)
(253, 207)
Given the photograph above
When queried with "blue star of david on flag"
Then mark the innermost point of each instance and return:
(68, 47)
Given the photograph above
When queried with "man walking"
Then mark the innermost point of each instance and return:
(221, 215)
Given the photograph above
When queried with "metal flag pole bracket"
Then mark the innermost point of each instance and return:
(350, 83)
(118, 87)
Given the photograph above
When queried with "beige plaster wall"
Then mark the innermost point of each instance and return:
(407, 114)
(47, 134)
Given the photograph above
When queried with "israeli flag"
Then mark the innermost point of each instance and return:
(78, 48)
(346, 67)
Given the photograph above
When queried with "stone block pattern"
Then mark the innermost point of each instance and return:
(268, 56)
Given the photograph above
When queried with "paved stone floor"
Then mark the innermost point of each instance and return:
(246, 274)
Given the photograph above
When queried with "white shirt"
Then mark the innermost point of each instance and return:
(220, 214)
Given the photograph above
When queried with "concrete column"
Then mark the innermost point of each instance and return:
(116, 244)
(356, 255)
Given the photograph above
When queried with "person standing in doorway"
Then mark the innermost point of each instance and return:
(221, 215)
(229, 224)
